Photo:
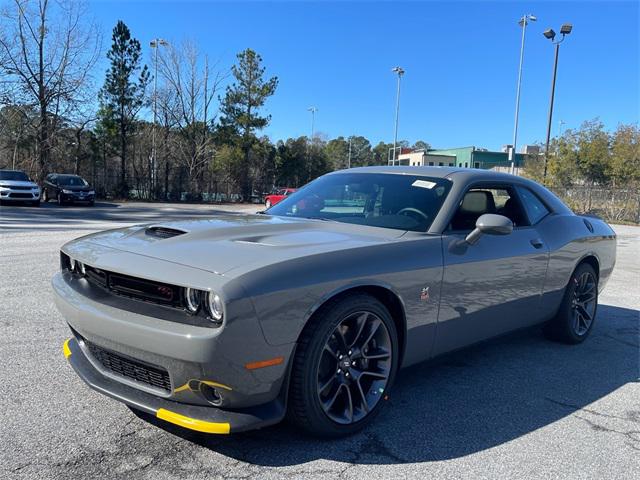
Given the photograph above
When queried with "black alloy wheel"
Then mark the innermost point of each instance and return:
(577, 312)
(584, 302)
(345, 363)
(354, 367)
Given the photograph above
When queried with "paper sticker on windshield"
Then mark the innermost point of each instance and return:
(423, 184)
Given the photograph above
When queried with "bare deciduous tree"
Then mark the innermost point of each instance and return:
(47, 51)
(190, 87)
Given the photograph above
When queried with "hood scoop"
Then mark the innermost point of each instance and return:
(159, 231)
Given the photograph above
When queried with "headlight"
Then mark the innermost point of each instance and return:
(214, 305)
(67, 191)
(192, 298)
(91, 192)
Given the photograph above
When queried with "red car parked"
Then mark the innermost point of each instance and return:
(278, 196)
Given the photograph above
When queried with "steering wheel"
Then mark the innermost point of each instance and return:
(414, 210)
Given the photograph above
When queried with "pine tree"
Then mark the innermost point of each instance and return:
(241, 105)
(122, 95)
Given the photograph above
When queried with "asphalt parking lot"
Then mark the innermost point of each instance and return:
(516, 407)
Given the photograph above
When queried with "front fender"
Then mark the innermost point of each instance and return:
(351, 285)
(285, 295)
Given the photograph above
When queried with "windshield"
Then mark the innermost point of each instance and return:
(72, 182)
(12, 175)
(402, 202)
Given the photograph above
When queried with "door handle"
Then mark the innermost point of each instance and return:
(537, 243)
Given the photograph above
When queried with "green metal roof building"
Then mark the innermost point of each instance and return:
(472, 157)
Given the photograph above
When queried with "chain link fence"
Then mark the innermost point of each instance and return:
(612, 204)
(173, 185)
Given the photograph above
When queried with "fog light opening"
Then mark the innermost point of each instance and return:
(211, 395)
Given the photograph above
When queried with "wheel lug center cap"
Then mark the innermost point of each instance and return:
(345, 363)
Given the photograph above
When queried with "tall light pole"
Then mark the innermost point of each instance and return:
(551, 35)
(524, 21)
(156, 44)
(349, 161)
(399, 71)
(313, 111)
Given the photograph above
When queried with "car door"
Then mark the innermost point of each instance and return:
(494, 285)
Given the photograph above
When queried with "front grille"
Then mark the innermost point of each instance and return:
(97, 277)
(20, 195)
(20, 188)
(133, 287)
(129, 368)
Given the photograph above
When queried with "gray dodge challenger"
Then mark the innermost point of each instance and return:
(309, 309)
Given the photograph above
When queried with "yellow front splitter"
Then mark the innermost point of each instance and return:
(65, 348)
(173, 417)
(192, 423)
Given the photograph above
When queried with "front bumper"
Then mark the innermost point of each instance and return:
(189, 355)
(7, 194)
(76, 197)
(194, 417)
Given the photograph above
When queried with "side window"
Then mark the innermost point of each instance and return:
(536, 210)
(478, 201)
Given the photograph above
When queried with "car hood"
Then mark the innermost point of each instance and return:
(17, 183)
(227, 242)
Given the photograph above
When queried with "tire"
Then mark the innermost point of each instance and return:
(92, 203)
(575, 318)
(267, 204)
(36, 203)
(344, 379)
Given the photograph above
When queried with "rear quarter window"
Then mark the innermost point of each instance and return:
(536, 210)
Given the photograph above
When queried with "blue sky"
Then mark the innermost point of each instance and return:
(460, 59)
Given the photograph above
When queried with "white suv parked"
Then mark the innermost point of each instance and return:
(16, 186)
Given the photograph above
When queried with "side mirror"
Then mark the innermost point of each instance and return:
(490, 224)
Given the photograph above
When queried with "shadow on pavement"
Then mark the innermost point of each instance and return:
(466, 402)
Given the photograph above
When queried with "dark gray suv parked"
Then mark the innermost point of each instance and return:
(66, 188)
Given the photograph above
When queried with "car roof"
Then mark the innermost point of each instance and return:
(437, 172)
(462, 178)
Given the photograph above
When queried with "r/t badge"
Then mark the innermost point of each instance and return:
(424, 294)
